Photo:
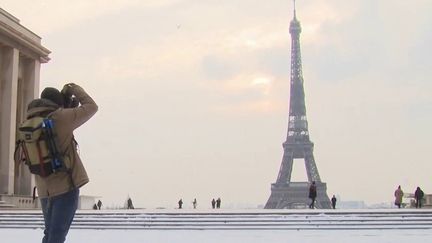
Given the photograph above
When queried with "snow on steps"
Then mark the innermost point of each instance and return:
(232, 220)
(4, 204)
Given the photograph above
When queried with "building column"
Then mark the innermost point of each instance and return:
(28, 89)
(8, 103)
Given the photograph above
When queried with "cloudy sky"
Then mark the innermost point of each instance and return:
(193, 95)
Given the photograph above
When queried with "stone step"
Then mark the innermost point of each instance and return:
(4, 204)
(261, 220)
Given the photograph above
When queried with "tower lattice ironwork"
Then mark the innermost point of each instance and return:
(285, 193)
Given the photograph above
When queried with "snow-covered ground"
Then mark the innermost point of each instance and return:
(225, 226)
(225, 236)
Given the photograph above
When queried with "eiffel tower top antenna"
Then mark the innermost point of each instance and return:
(295, 17)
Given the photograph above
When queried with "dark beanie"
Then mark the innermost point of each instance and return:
(53, 94)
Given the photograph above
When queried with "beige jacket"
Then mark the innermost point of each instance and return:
(66, 120)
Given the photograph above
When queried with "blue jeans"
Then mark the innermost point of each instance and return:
(59, 212)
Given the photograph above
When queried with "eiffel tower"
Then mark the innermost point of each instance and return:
(285, 193)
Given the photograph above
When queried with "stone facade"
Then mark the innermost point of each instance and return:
(21, 55)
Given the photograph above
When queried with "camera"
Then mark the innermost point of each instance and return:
(69, 100)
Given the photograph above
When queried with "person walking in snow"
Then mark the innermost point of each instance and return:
(129, 203)
(398, 196)
(194, 203)
(218, 203)
(180, 203)
(418, 195)
(213, 202)
(333, 202)
(99, 204)
(312, 194)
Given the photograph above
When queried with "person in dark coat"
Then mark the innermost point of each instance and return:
(194, 203)
(312, 194)
(130, 204)
(213, 202)
(180, 203)
(418, 195)
(333, 202)
(99, 204)
(218, 203)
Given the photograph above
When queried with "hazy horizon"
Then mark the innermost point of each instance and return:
(193, 95)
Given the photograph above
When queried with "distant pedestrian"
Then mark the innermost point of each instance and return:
(218, 203)
(180, 203)
(312, 194)
(130, 204)
(194, 203)
(95, 207)
(398, 196)
(99, 204)
(418, 195)
(333, 202)
(213, 202)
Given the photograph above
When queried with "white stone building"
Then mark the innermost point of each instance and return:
(21, 56)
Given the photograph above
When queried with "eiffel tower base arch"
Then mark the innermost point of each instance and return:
(295, 195)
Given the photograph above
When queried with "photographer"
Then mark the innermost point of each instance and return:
(59, 192)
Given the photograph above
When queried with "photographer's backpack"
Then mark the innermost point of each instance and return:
(37, 147)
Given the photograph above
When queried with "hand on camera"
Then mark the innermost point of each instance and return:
(67, 89)
(69, 100)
